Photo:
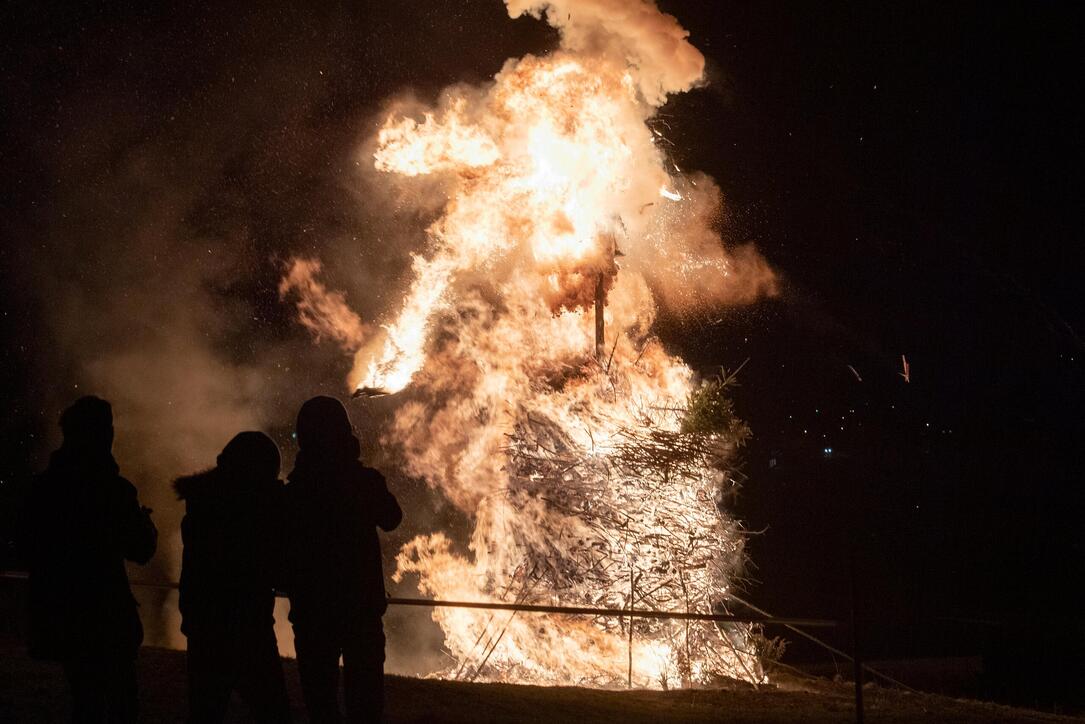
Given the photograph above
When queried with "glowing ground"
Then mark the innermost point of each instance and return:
(34, 692)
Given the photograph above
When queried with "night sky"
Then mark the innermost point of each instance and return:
(911, 172)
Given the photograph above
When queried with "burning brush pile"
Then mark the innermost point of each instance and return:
(536, 398)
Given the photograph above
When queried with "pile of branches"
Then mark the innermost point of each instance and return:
(633, 520)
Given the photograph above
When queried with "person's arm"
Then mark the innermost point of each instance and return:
(386, 510)
(140, 537)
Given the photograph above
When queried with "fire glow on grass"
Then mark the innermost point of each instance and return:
(586, 482)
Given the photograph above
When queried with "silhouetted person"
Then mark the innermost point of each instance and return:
(336, 591)
(82, 521)
(231, 532)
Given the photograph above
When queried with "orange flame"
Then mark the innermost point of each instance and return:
(554, 178)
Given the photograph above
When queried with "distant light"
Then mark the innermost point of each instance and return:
(828, 451)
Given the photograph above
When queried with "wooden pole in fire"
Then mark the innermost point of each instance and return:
(600, 302)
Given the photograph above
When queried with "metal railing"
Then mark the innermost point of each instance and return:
(531, 608)
(762, 618)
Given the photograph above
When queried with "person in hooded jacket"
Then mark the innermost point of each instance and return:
(82, 521)
(231, 529)
(336, 586)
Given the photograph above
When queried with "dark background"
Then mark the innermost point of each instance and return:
(909, 169)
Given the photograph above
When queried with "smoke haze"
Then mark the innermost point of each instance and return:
(651, 41)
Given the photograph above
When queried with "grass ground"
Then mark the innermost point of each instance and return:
(33, 691)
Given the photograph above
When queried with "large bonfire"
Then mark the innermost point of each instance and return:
(589, 460)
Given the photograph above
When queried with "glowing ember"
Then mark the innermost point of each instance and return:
(589, 479)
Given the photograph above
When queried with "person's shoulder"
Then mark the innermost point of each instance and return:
(296, 492)
(364, 478)
(291, 487)
(273, 490)
(122, 487)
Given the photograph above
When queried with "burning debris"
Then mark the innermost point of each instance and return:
(535, 398)
(370, 392)
(644, 529)
(609, 503)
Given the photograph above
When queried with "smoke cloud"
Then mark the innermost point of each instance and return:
(323, 312)
(652, 42)
(163, 191)
(141, 317)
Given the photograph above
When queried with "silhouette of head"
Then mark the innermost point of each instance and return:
(323, 423)
(88, 425)
(251, 456)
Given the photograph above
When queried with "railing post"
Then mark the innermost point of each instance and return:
(630, 647)
(855, 656)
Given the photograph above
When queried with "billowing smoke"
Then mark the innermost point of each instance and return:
(652, 42)
(145, 269)
(136, 308)
(324, 312)
(147, 337)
